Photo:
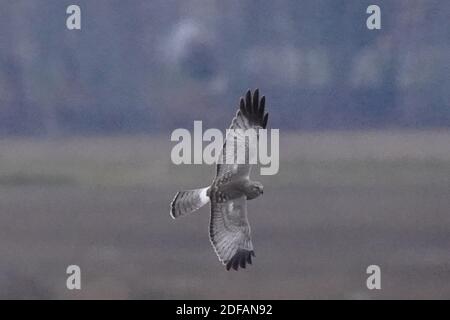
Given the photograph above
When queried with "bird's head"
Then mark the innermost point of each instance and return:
(256, 189)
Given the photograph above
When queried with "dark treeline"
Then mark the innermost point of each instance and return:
(146, 66)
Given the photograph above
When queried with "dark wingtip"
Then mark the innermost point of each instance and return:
(262, 106)
(240, 259)
(255, 101)
(242, 106)
(266, 118)
(248, 102)
(252, 107)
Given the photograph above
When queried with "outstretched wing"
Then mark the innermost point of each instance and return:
(229, 231)
(249, 116)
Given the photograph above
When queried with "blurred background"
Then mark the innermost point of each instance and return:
(85, 123)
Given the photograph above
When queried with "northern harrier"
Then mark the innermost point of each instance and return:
(229, 230)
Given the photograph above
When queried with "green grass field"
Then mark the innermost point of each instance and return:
(340, 202)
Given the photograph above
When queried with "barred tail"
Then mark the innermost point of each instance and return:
(188, 201)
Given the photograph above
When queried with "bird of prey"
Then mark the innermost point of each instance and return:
(229, 229)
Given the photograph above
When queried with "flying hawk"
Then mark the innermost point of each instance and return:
(229, 230)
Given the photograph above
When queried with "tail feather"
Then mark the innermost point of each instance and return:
(188, 201)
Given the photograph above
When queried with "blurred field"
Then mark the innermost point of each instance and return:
(341, 202)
